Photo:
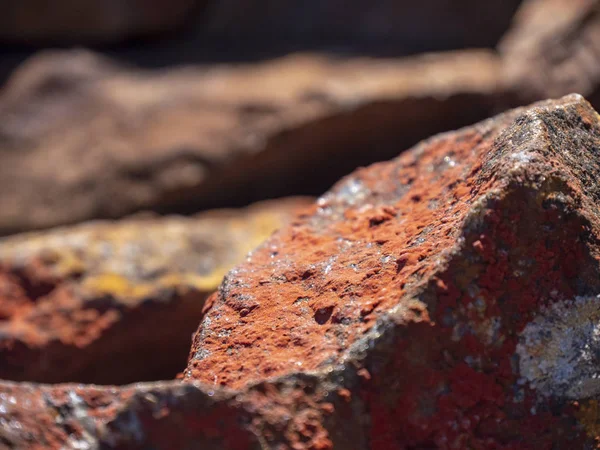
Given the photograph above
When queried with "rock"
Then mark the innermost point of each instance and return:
(553, 49)
(83, 138)
(116, 302)
(90, 21)
(445, 299)
(172, 415)
(380, 25)
(449, 295)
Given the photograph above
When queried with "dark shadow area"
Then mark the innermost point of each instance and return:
(310, 159)
(243, 32)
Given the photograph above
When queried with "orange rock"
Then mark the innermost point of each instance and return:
(172, 415)
(86, 303)
(444, 302)
(345, 332)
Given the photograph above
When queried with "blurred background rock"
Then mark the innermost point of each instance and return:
(113, 107)
(195, 30)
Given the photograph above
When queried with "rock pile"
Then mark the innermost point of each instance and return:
(117, 302)
(439, 300)
(190, 139)
(447, 298)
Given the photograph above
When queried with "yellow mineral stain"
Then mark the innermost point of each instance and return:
(108, 284)
(134, 260)
(588, 415)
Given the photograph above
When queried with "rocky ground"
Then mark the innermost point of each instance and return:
(167, 282)
(187, 139)
(78, 302)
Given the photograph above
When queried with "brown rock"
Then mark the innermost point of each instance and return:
(448, 295)
(92, 21)
(118, 302)
(172, 415)
(553, 49)
(440, 300)
(81, 138)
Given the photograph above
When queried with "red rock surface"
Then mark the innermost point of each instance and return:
(84, 303)
(441, 300)
(172, 416)
(421, 275)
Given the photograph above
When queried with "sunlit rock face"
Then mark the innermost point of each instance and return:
(445, 299)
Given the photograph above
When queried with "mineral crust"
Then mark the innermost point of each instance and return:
(452, 290)
(116, 302)
(446, 299)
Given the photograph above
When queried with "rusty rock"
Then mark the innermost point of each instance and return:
(553, 49)
(118, 302)
(448, 295)
(195, 138)
(445, 299)
(173, 415)
(92, 21)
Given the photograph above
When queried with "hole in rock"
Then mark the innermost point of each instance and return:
(322, 315)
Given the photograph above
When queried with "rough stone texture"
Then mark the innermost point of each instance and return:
(394, 25)
(429, 289)
(91, 21)
(116, 302)
(553, 49)
(172, 415)
(82, 138)
(429, 302)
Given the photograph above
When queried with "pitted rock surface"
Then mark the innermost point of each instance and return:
(420, 276)
(425, 302)
(172, 415)
(186, 139)
(88, 302)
